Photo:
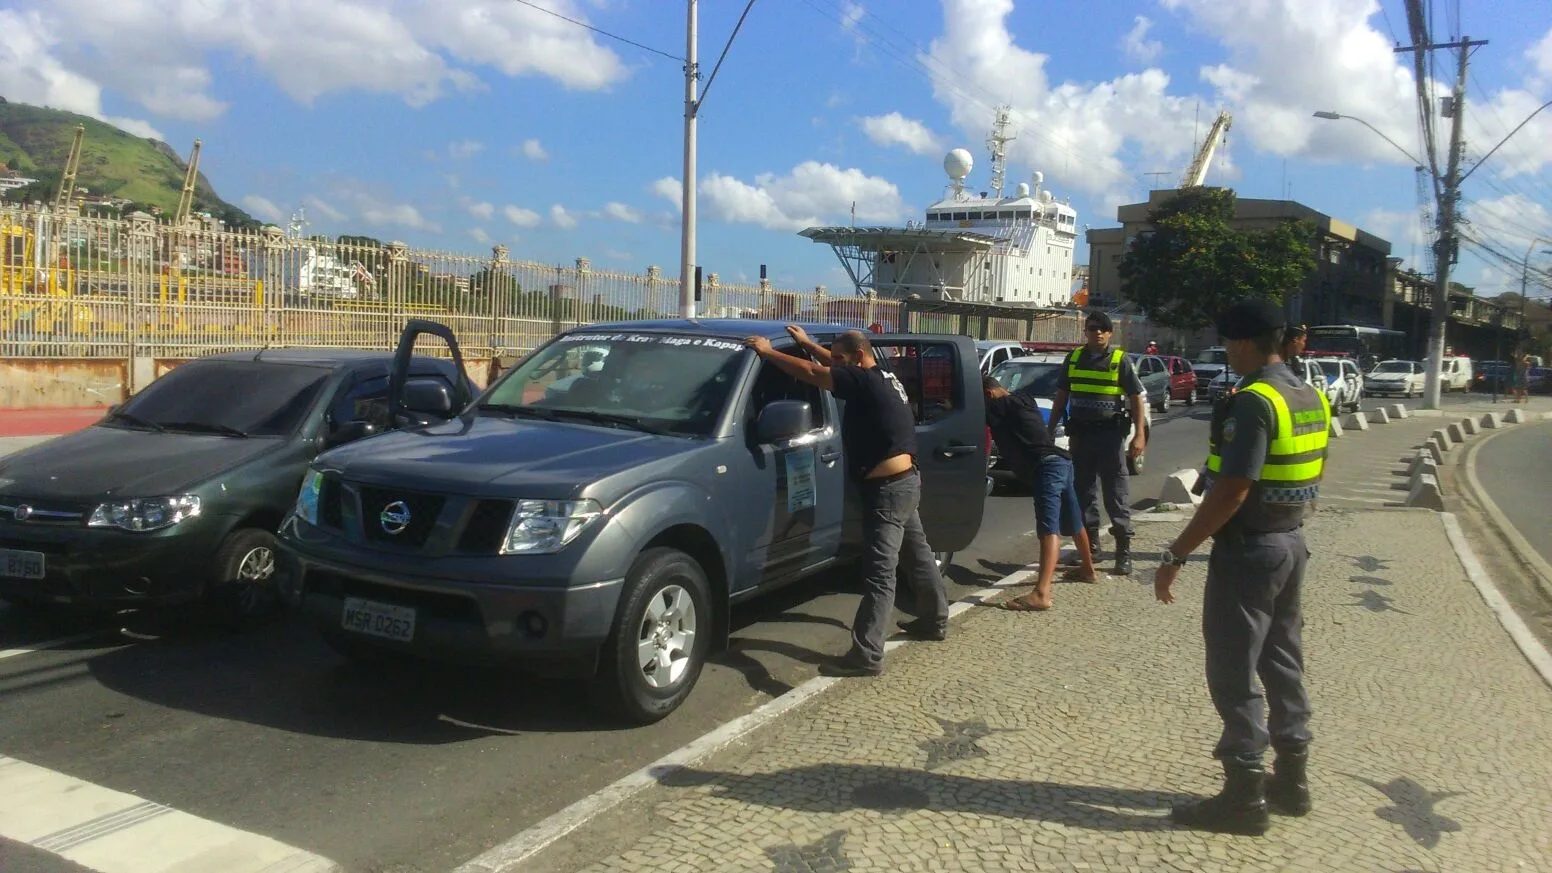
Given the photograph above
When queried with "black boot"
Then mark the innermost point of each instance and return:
(1287, 790)
(1123, 554)
(1240, 808)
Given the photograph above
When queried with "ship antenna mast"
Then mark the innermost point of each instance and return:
(997, 144)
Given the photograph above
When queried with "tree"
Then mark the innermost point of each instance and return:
(1193, 264)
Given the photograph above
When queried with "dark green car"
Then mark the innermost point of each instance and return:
(175, 495)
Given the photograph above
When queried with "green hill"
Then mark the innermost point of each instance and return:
(36, 142)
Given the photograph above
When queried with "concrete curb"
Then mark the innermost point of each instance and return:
(1336, 427)
(1399, 410)
(1379, 416)
(1357, 421)
(1534, 652)
(1523, 551)
(1442, 438)
(1178, 488)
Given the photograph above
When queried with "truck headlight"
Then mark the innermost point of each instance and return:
(307, 498)
(146, 514)
(542, 526)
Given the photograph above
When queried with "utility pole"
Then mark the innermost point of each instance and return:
(692, 73)
(1445, 243)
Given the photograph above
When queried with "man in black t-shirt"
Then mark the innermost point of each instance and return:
(1046, 470)
(878, 432)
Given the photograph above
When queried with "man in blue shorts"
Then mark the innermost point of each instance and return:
(1022, 438)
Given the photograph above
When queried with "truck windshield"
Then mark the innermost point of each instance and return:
(1212, 356)
(1037, 379)
(663, 382)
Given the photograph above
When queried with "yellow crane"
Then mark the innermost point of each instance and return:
(72, 164)
(1196, 174)
(190, 178)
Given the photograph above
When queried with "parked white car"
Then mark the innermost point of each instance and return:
(1344, 384)
(1455, 374)
(1401, 378)
(995, 352)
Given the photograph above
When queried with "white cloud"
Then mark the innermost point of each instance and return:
(534, 151)
(521, 217)
(1528, 151)
(1137, 45)
(622, 212)
(482, 211)
(669, 189)
(464, 149)
(616, 255)
(851, 15)
(1540, 56)
(30, 73)
(895, 129)
(328, 210)
(1403, 229)
(1509, 223)
(562, 218)
(263, 207)
(804, 197)
(479, 235)
(417, 49)
(396, 215)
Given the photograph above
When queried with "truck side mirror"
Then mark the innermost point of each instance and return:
(428, 396)
(783, 420)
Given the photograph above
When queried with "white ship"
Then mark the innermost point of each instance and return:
(973, 247)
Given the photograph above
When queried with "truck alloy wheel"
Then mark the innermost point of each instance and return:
(661, 632)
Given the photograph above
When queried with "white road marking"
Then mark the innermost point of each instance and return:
(49, 644)
(1538, 656)
(113, 832)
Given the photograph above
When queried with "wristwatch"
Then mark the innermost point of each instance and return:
(1169, 559)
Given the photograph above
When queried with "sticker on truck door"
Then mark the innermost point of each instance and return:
(800, 479)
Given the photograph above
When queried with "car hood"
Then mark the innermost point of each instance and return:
(489, 455)
(1207, 369)
(100, 462)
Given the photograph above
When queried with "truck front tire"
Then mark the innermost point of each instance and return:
(661, 634)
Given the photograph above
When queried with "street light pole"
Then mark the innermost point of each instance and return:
(687, 218)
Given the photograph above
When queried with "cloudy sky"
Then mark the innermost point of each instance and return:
(460, 123)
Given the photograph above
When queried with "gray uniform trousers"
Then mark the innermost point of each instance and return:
(894, 542)
(1099, 463)
(1251, 622)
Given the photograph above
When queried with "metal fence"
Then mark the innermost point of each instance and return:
(136, 287)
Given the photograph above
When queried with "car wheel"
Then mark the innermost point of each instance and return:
(661, 633)
(243, 587)
(1191, 398)
(1162, 405)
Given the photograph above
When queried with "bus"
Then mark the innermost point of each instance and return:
(1367, 345)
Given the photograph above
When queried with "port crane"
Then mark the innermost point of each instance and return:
(1196, 174)
(72, 165)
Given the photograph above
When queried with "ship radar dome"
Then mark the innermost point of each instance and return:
(958, 164)
(1039, 178)
(1023, 190)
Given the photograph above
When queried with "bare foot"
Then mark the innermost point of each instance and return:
(1028, 603)
(1076, 574)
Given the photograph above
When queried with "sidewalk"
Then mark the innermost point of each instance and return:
(1056, 741)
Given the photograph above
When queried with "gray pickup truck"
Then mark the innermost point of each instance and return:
(598, 510)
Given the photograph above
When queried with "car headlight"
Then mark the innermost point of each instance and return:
(542, 526)
(307, 498)
(146, 514)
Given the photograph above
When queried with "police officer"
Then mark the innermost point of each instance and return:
(1294, 339)
(1101, 395)
(1269, 448)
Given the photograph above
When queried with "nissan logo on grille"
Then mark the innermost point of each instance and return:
(394, 518)
(22, 512)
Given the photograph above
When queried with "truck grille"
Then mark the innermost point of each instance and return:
(330, 509)
(486, 528)
(422, 509)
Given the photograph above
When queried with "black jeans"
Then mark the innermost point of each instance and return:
(894, 542)
(1252, 622)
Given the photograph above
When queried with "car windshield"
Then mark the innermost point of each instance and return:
(1029, 377)
(1213, 356)
(1332, 368)
(1394, 367)
(670, 383)
(231, 398)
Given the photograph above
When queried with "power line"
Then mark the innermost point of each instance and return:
(600, 31)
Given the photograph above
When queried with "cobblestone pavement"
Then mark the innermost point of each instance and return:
(1056, 741)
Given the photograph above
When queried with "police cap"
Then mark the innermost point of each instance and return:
(1250, 317)
(1100, 319)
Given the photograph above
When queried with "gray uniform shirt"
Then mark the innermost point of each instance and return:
(1086, 407)
(1242, 446)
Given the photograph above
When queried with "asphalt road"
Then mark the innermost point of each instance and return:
(1516, 471)
(414, 767)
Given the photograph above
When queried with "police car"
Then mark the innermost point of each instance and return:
(1037, 374)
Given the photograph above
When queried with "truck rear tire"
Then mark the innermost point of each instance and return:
(661, 634)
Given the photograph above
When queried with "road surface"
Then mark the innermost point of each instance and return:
(1515, 470)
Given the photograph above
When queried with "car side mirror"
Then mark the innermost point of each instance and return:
(783, 420)
(429, 397)
(348, 432)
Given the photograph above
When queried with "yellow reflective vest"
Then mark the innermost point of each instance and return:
(1097, 392)
(1296, 452)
